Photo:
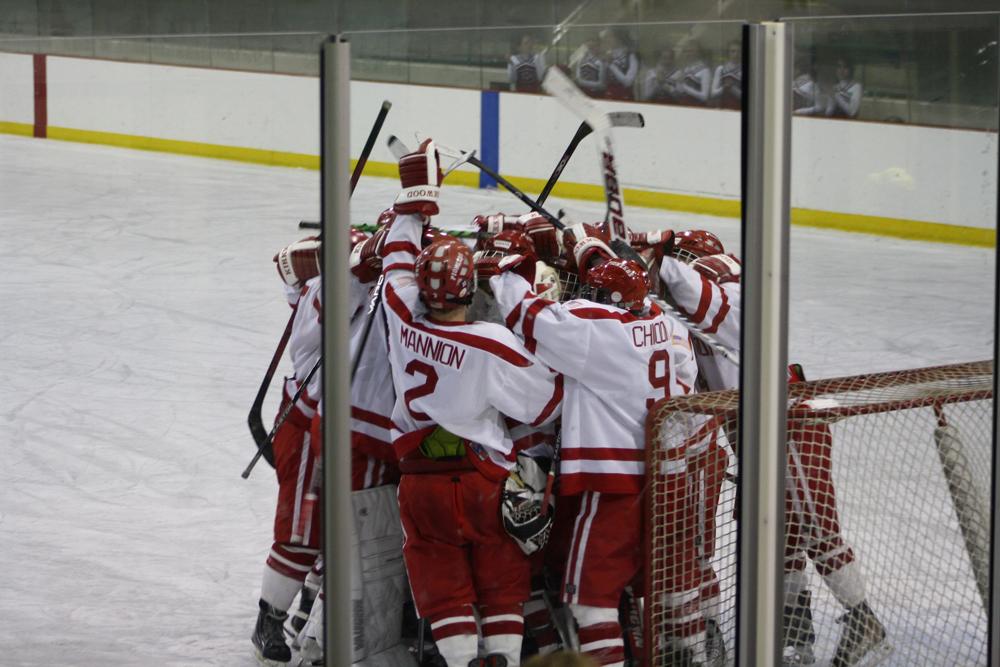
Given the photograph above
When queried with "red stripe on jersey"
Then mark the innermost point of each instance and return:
(371, 417)
(602, 454)
(399, 266)
(573, 484)
(472, 340)
(318, 307)
(721, 315)
(514, 315)
(400, 246)
(704, 302)
(557, 395)
(589, 313)
(528, 325)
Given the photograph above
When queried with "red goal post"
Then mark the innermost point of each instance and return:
(893, 468)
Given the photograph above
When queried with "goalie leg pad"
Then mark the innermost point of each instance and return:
(381, 578)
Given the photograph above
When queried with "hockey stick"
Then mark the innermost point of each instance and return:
(565, 91)
(287, 410)
(369, 144)
(255, 420)
(618, 119)
(372, 305)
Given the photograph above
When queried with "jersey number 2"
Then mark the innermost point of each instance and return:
(425, 389)
(659, 379)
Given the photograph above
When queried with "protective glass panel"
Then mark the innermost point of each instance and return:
(891, 334)
(667, 95)
(147, 184)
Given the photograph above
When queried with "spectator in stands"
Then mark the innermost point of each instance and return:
(846, 98)
(727, 82)
(622, 64)
(589, 70)
(807, 100)
(660, 82)
(526, 66)
(696, 77)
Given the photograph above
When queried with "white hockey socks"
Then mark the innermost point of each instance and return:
(600, 634)
(456, 636)
(847, 585)
(503, 630)
(278, 590)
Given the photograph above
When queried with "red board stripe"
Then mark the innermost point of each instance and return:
(41, 96)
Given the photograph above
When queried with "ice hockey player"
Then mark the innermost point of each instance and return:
(455, 382)
(707, 287)
(297, 530)
(812, 529)
(618, 353)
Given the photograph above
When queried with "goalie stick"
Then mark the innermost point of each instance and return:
(255, 420)
(566, 92)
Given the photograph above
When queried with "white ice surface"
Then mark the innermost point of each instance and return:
(140, 310)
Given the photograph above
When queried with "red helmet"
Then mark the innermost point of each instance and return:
(358, 236)
(509, 242)
(445, 274)
(618, 282)
(718, 268)
(691, 244)
(432, 234)
(386, 217)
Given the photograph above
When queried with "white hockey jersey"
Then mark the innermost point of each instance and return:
(463, 377)
(712, 308)
(616, 365)
(372, 397)
(304, 344)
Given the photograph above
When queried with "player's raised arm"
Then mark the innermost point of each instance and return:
(420, 176)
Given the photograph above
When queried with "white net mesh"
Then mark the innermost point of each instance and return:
(887, 521)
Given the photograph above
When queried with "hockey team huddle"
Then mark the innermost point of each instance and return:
(498, 412)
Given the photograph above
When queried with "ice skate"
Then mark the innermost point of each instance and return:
(715, 645)
(862, 640)
(798, 634)
(269, 638)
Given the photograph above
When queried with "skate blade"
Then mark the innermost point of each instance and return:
(267, 662)
(877, 655)
(293, 638)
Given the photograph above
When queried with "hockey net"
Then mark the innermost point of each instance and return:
(887, 500)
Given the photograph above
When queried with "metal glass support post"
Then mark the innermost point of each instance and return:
(766, 140)
(335, 81)
(993, 639)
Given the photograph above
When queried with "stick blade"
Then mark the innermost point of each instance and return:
(396, 146)
(562, 88)
(627, 119)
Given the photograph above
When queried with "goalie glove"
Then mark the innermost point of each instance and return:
(521, 505)
(420, 175)
(299, 261)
